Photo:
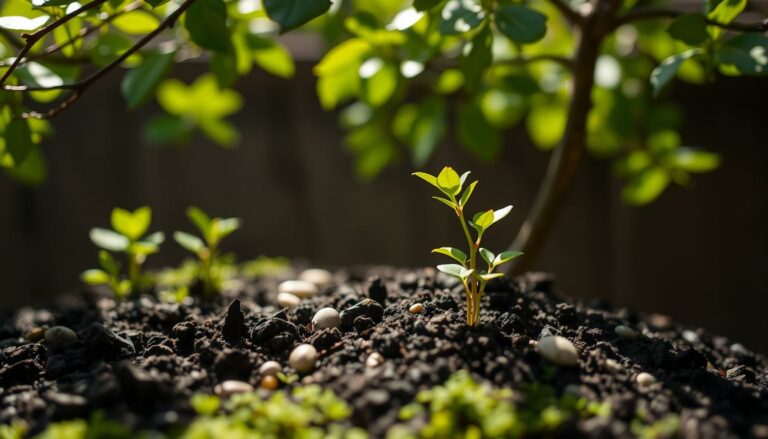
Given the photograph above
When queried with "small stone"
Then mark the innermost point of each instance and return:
(303, 358)
(60, 336)
(558, 350)
(377, 290)
(416, 308)
(270, 368)
(690, 336)
(326, 318)
(625, 332)
(35, 334)
(374, 360)
(288, 300)
(268, 382)
(367, 308)
(232, 387)
(659, 320)
(739, 348)
(234, 322)
(104, 343)
(645, 379)
(612, 365)
(316, 276)
(299, 288)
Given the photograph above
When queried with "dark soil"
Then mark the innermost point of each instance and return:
(141, 360)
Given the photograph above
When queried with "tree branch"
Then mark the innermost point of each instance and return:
(571, 15)
(33, 38)
(658, 13)
(79, 87)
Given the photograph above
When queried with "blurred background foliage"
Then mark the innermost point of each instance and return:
(404, 75)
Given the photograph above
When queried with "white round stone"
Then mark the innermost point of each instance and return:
(374, 360)
(270, 368)
(288, 300)
(645, 379)
(625, 332)
(690, 336)
(612, 365)
(60, 336)
(326, 318)
(298, 288)
(558, 350)
(316, 276)
(232, 387)
(303, 358)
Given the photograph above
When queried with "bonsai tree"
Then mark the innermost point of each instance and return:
(580, 75)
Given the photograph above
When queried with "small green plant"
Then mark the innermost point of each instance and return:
(128, 238)
(212, 230)
(474, 280)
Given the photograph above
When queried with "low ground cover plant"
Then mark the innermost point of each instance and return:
(474, 279)
(127, 237)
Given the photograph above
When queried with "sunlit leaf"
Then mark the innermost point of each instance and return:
(664, 73)
(95, 277)
(487, 255)
(131, 224)
(506, 257)
(455, 270)
(291, 14)
(454, 253)
(109, 240)
(139, 83)
(449, 182)
(189, 242)
(206, 21)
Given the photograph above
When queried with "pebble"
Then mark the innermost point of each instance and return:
(374, 360)
(368, 308)
(645, 379)
(60, 336)
(232, 387)
(316, 276)
(299, 288)
(377, 290)
(268, 382)
(326, 318)
(303, 358)
(739, 348)
(416, 308)
(288, 300)
(558, 350)
(612, 365)
(690, 336)
(234, 322)
(625, 332)
(270, 368)
(36, 334)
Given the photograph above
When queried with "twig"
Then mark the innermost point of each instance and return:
(654, 14)
(33, 38)
(79, 87)
(572, 16)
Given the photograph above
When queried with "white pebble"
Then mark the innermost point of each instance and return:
(232, 387)
(298, 288)
(288, 300)
(60, 336)
(625, 332)
(316, 276)
(558, 350)
(303, 358)
(374, 360)
(270, 368)
(326, 318)
(612, 365)
(690, 336)
(645, 379)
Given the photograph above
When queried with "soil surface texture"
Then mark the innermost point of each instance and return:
(140, 360)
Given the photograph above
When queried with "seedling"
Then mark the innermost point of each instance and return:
(474, 280)
(212, 230)
(129, 228)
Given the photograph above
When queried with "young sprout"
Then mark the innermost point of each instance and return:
(474, 280)
(129, 228)
(213, 230)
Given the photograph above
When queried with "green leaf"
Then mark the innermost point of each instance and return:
(689, 28)
(449, 81)
(109, 240)
(139, 83)
(271, 56)
(482, 220)
(692, 160)
(467, 193)
(379, 81)
(199, 219)
(431, 179)
(108, 263)
(748, 52)
(645, 186)
(449, 182)
(664, 73)
(476, 134)
(459, 16)
(498, 215)
(33, 170)
(488, 276)
(487, 256)
(206, 21)
(546, 122)
(224, 227)
(454, 253)
(143, 248)
(423, 5)
(131, 224)
(725, 12)
(291, 14)
(156, 238)
(95, 277)
(18, 140)
(506, 257)
(220, 131)
(19, 23)
(189, 242)
(136, 22)
(447, 202)
(224, 68)
(477, 57)
(156, 3)
(165, 128)
(427, 130)
(455, 271)
(520, 24)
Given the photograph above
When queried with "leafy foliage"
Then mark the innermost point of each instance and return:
(128, 236)
(456, 196)
(212, 230)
